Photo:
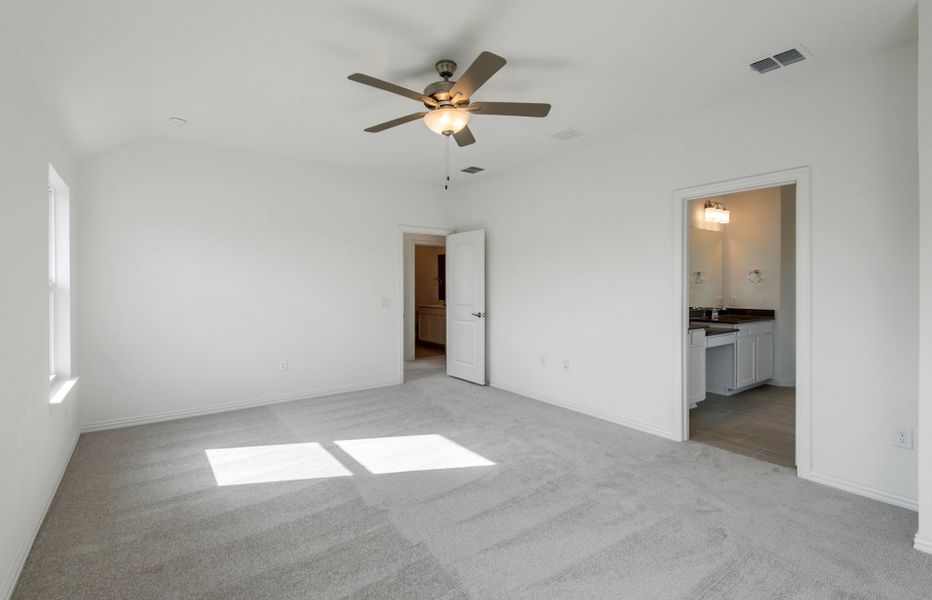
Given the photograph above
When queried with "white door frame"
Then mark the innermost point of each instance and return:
(681, 199)
(402, 230)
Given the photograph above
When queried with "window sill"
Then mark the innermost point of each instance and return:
(60, 389)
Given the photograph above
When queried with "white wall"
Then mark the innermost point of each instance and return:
(924, 431)
(752, 241)
(36, 439)
(202, 269)
(580, 255)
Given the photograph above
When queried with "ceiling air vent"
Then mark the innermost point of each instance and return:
(765, 65)
(784, 59)
(789, 57)
(570, 133)
(473, 170)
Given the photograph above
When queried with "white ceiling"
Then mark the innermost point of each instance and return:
(270, 76)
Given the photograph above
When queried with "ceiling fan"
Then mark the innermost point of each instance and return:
(449, 103)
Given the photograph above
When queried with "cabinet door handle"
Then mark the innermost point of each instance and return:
(478, 315)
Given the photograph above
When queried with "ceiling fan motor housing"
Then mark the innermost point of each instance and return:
(445, 67)
(439, 90)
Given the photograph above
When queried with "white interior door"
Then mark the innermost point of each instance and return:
(466, 306)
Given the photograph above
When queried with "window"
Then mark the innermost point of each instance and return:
(52, 260)
(60, 376)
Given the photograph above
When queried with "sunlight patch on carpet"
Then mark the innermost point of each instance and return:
(400, 454)
(267, 464)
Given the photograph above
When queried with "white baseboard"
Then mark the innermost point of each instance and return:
(783, 382)
(923, 543)
(862, 490)
(194, 412)
(9, 582)
(618, 420)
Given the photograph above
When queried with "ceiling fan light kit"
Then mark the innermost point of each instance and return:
(446, 120)
(449, 103)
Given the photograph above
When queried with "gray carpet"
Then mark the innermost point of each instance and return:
(573, 508)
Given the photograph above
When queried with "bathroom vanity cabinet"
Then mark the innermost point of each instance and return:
(726, 358)
(432, 324)
(753, 354)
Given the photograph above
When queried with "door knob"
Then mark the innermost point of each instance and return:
(478, 315)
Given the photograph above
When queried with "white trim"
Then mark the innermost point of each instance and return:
(801, 177)
(402, 230)
(604, 416)
(9, 582)
(862, 490)
(194, 412)
(782, 382)
(923, 543)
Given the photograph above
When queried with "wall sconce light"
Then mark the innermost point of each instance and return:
(715, 212)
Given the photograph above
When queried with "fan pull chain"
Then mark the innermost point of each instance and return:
(446, 164)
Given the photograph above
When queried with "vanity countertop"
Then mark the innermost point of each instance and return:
(710, 331)
(732, 319)
(731, 315)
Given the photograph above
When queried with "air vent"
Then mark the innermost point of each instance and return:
(765, 65)
(789, 57)
(570, 133)
(772, 63)
(473, 170)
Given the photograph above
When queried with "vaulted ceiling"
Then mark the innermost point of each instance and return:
(270, 76)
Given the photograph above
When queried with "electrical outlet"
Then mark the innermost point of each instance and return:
(566, 365)
(283, 366)
(903, 438)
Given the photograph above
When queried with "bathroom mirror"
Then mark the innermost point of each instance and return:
(706, 281)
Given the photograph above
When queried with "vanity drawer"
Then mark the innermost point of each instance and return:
(762, 328)
(755, 329)
(723, 339)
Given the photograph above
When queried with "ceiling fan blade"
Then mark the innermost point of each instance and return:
(485, 65)
(511, 109)
(391, 87)
(464, 137)
(395, 122)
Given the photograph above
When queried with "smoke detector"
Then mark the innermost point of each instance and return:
(177, 121)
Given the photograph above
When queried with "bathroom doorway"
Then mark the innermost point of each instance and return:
(430, 324)
(424, 316)
(744, 317)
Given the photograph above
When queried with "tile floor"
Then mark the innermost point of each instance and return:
(760, 423)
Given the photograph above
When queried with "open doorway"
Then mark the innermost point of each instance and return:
(430, 311)
(442, 330)
(745, 315)
(425, 321)
(742, 283)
